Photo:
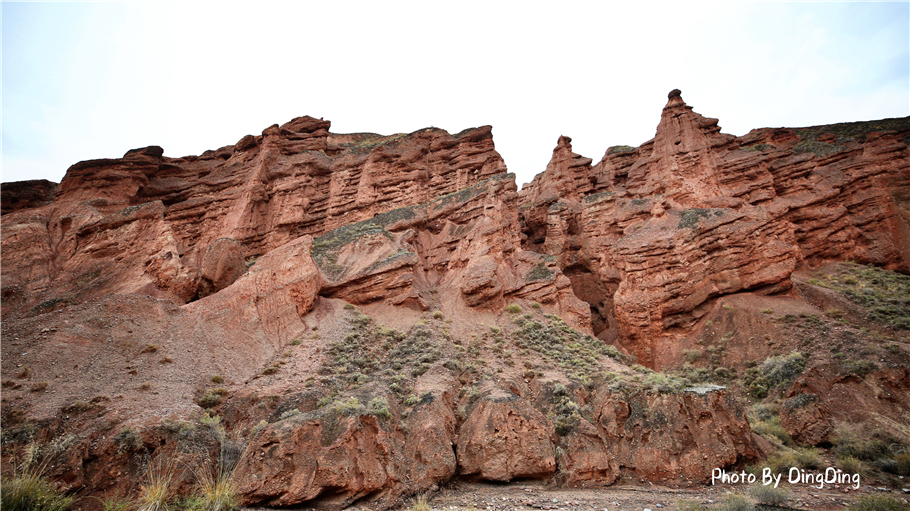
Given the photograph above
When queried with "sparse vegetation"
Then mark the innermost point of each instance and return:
(769, 496)
(30, 491)
(217, 379)
(513, 308)
(128, 440)
(775, 372)
(877, 503)
(735, 502)
(884, 293)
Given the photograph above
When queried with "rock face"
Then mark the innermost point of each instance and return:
(262, 192)
(26, 194)
(674, 436)
(461, 245)
(505, 438)
(821, 396)
(388, 312)
(650, 235)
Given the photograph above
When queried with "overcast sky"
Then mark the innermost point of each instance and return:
(93, 80)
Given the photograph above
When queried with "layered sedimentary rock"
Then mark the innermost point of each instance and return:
(363, 300)
(146, 222)
(822, 395)
(650, 235)
(26, 194)
(462, 245)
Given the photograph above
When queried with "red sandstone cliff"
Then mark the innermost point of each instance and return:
(388, 312)
(650, 235)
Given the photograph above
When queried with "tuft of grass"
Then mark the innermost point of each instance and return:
(30, 491)
(297, 341)
(155, 489)
(769, 495)
(349, 307)
(420, 503)
(217, 379)
(535, 305)
(772, 429)
(216, 492)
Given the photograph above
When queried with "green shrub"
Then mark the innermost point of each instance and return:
(858, 367)
(781, 462)
(349, 307)
(775, 372)
(808, 459)
(513, 308)
(217, 379)
(735, 503)
(769, 495)
(772, 429)
(903, 464)
(852, 465)
(348, 407)
(380, 407)
(690, 505)
(127, 440)
(861, 442)
(877, 503)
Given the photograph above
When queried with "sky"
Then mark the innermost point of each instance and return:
(92, 80)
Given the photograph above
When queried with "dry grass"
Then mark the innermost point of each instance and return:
(155, 489)
(217, 492)
(420, 503)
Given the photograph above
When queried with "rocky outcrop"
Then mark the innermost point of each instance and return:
(347, 451)
(148, 223)
(878, 399)
(650, 235)
(26, 194)
(461, 245)
(375, 315)
(504, 438)
(674, 436)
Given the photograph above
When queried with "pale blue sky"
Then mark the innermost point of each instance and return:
(83, 81)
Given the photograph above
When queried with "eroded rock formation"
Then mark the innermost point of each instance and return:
(650, 235)
(388, 312)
